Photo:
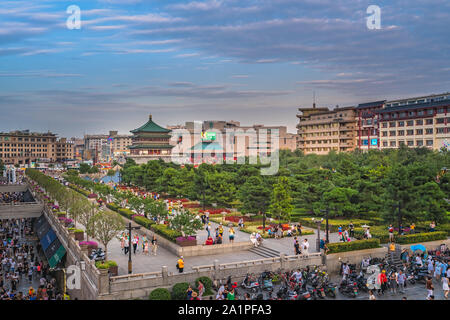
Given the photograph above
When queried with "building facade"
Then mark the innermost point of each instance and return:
(416, 122)
(25, 148)
(321, 130)
(368, 125)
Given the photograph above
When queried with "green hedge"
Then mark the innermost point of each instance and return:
(422, 237)
(164, 231)
(160, 294)
(207, 282)
(106, 264)
(179, 291)
(78, 189)
(113, 207)
(127, 213)
(353, 245)
(143, 221)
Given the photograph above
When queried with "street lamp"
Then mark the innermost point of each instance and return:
(318, 221)
(130, 264)
(326, 224)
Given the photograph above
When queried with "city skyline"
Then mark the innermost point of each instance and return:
(251, 61)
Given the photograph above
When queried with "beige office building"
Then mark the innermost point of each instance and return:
(321, 130)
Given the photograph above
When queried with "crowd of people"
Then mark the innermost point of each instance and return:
(21, 267)
(11, 197)
(139, 244)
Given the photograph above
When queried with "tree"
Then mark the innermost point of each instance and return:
(85, 218)
(431, 202)
(106, 225)
(94, 169)
(2, 167)
(281, 201)
(111, 173)
(84, 168)
(340, 201)
(222, 188)
(254, 196)
(186, 223)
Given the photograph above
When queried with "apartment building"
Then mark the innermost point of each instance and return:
(368, 128)
(25, 147)
(416, 122)
(321, 130)
(65, 150)
(104, 147)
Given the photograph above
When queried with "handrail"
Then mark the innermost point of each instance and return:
(137, 276)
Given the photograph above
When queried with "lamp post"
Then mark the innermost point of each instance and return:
(318, 233)
(130, 264)
(326, 224)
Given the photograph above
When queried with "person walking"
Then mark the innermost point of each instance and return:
(135, 241)
(393, 283)
(391, 233)
(305, 247)
(231, 233)
(401, 279)
(297, 248)
(201, 290)
(352, 229)
(391, 252)
(412, 228)
(382, 282)
(430, 288)
(208, 229)
(154, 245)
(146, 248)
(445, 286)
(180, 265)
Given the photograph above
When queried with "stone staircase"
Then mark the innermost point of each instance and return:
(265, 252)
(395, 260)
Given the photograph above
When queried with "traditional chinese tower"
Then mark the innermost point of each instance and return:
(150, 142)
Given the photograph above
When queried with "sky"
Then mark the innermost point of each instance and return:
(253, 61)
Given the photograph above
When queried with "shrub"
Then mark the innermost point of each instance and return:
(127, 213)
(164, 231)
(179, 291)
(106, 264)
(207, 282)
(353, 245)
(112, 206)
(143, 221)
(422, 237)
(159, 294)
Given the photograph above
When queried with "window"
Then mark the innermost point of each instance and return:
(429, 143)
(401, 143)
(419, 131)
(429, 121)
(411, 113)
(440, 120)
(429, 131)
(430, 111)
(392, 124)
(392, 133)
(409, 132)
(419, 122)
(440, 110)
(392, 144)
(385, 124)
(384, 133)
(401, 132)
(410, 123)
(419, 143)
(440, 130)
(410, 143)
(401, 123)
(385, 144)
(402, 114)
(420, 112)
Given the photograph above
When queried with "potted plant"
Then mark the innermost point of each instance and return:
(110, 265)
(79, 234)
(91, 245)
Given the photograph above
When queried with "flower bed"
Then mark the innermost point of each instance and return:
(186, 241)
(215, 211)
(353, 245)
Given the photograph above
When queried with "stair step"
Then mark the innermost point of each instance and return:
(265, 252)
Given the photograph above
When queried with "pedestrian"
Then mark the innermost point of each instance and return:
(430, 288)
(146, 248)
(391, 251)
(430, 267)
(371, 295)
(180, 264)
(393, 282)
(299, 229)
(126, 246)
(201, 290)
(391, 233)
(305, 247)
(231, 234)
(221, 230)
(208, 229)
(432, 226)
(401, 279)
(445, 286)
(340, 233)
(382, 282)
(144, 240)
(437, 270)
(154, 245)
(135, 241)
(189, 292)
(297, 247)
(352, 229)
(412, 228)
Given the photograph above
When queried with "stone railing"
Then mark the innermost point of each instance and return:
(140, 285)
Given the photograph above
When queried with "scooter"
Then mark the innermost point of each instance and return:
(250, 285)
(97, 255)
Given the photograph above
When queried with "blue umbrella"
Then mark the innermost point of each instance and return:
(420, 247)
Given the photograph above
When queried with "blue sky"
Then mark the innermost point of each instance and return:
(254, 61)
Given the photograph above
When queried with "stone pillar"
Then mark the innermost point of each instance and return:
(283, 261)
(165, 275)
(84, 249)
(103, 282)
